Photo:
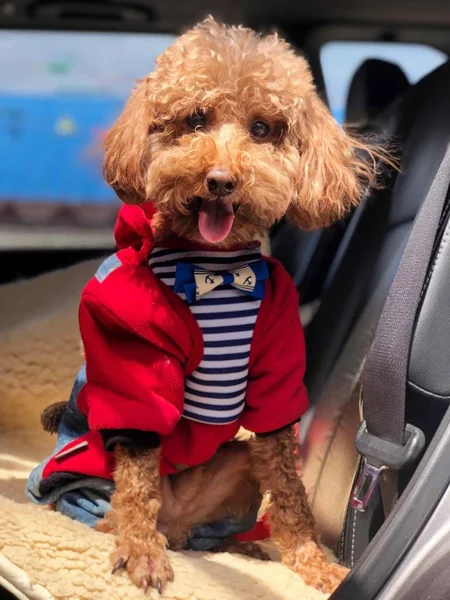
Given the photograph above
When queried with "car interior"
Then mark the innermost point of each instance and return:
(343, 273)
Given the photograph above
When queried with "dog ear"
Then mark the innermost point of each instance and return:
(127, 147)
(335, 168)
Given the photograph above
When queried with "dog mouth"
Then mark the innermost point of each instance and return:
(215, 217)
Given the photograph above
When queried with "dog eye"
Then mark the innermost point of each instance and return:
(197, 120)
(260, 130)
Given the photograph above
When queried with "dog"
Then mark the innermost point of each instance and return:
(224, 138)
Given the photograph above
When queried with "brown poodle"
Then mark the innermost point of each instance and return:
(225, 137)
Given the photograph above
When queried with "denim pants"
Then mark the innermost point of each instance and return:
(89, 506)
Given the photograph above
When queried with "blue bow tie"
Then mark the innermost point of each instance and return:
(195, 282)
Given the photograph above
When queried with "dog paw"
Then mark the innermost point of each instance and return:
(146, 562)
(311, 563)
(327, 579)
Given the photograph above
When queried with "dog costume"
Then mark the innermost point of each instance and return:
(183, 345)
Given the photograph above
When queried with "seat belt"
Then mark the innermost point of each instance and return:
(341, 390)
(383, 440)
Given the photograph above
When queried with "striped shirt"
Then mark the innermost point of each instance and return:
(215, 392)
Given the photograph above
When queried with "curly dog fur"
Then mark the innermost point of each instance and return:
(200, 111)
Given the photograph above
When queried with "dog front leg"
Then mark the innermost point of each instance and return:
(291, 519)
(135, 504)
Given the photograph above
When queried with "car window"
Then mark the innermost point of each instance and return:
(59, 92)
(341, 59)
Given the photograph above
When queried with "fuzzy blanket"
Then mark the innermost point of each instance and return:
(44, 555)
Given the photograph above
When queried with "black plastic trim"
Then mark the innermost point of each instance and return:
(5, 594)
(106, 10)
(81, 25)
(404, 524)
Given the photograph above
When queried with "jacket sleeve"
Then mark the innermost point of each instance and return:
(276, 394)
(139, 342)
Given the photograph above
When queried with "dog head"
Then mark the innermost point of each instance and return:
(228, 135)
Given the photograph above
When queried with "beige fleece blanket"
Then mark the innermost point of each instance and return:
(44, 555)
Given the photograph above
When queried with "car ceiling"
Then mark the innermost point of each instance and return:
(173, 14)
(390, 11)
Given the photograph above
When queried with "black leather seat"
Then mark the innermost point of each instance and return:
(375, 85)
(382, 223)
(366, 263)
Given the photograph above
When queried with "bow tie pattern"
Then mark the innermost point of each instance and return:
(195, 281)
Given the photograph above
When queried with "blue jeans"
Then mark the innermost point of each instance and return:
(89, 506)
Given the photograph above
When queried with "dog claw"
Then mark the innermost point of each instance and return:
(146, 570)
(119, 564)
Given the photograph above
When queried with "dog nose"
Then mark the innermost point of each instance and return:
(220, 182)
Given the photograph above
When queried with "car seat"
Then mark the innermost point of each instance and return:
(353, 297)
(375, 85)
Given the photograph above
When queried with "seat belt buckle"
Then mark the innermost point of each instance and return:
(365, 486)
(378, 455)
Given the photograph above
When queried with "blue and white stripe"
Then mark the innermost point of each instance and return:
(215, 392)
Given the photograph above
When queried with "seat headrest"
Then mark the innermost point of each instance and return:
(375, 85)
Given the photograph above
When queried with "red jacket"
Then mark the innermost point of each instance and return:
(141, 341)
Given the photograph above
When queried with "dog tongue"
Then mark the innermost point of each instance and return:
(215, 219)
